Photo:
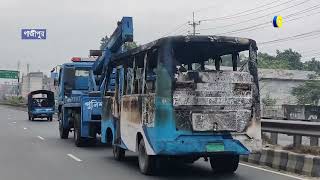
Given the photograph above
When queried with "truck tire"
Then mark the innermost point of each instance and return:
(224, 163)
(78, 140)
(64, 132)
(147, 163)
(29, 117)
(118, 153)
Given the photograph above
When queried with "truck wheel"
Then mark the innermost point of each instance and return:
(78, 140)
(29, 117)
(64, 133)
(118, 153)
(147, 163)
(224, 163)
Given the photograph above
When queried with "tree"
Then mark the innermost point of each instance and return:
(307, 93)
(288, 59)
(268, 101)
(312, 65)
(291, 57)
(130, 45)
(103, 42)
(127, 45)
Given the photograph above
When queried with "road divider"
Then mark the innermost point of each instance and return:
(74, 157)
(40, 137)
(302, 164)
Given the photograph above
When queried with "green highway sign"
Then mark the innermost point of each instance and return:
(6, 74)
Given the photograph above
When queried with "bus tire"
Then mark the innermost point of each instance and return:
(118, 153)
(147, 163)
(224, 163)
(64, 133)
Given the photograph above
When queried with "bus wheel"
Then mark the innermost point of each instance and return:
(64, 133)
(224, 163)
(118, 153)
(147, 163)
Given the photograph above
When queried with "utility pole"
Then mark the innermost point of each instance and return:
(194, 24)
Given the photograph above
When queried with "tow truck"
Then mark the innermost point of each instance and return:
(81, 86)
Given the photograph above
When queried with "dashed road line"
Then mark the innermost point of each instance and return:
(14, 122)
(25, 128)
(274, 172)
(40, 138)
(74, 157)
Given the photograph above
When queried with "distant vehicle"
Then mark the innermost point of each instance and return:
(166, 102)
(41, 104)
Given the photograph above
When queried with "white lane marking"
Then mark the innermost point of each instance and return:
(74, 157)
(274, 172)
(14, 122)
(40, 137)
(25, 128)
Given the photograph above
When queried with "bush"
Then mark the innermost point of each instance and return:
(313, 150)
(16, 100)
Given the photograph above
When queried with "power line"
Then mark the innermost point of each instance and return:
(265, 24)
(243, 13)
(184, 30)
(259, 17)
(310, 51)
(295, 37)
(176, 29)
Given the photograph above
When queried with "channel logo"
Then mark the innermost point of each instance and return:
(34, 34)
(277, 21)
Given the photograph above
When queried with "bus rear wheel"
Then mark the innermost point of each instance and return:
(224, 163)
(118, 153)
(147, 163)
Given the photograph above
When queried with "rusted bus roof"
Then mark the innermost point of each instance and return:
(229, 44)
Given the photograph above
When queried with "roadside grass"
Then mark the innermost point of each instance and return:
(313, 150)
(14, 101)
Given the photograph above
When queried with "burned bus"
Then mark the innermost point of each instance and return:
(162, 100)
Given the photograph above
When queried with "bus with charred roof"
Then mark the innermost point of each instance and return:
(174, 99)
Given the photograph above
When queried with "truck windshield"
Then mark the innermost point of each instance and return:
(81, 73)
(81, 79)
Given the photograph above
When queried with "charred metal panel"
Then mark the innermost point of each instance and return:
(213, 100)
(132, 108)
(148, 109)
(139, 109)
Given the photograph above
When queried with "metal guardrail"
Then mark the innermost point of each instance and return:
(292, 127)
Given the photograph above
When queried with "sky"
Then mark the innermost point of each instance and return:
(75, 26)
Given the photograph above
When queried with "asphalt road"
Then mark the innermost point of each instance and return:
(33, 151)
